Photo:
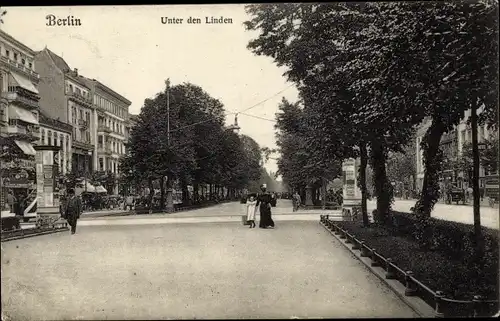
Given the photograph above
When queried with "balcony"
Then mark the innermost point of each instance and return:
(103, 129)
(83, 123)
(32, 131)
(17, 66)
(84, 145)
(79, 98)
(16, 97)
(104, 150)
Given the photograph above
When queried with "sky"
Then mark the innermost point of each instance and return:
(131, 51)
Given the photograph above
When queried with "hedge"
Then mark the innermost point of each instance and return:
(448, 265)
(451, 238)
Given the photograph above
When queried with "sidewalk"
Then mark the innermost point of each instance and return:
(483, 203)
(193, 271)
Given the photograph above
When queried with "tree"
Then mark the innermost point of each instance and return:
(401, 166)
(2, 14)
(341, 71)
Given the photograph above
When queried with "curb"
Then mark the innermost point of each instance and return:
(7, 239)
(418, 305)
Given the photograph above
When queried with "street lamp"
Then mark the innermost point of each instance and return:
(89, 153)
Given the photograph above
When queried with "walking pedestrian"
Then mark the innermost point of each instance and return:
(264, 203)
(297, 199)
(251, 206)
(73, 209)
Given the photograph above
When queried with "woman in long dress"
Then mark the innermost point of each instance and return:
(264, 203)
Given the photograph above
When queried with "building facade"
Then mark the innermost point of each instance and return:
(20, 96)
(65, 97)
(111, 126)
(19, 109)
(54, 132)
(464, 137)
(452, 144)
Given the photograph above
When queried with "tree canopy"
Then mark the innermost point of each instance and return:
(368, 73)
(180, 135)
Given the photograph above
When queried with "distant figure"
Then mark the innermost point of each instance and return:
(469, 193)
(251, 206)
(264, 202)
(129, 202)
(12, 201)
(73, 209)
(296, 201)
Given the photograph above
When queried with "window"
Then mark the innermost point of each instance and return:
(30, 65)
(23, 61)
(42, 138)
(101, 163)
(73, 116)
(7, 53)
(78, 91)
(15, 56)
(70, 87)
(60, 139)
(87, 137)
(49, 138)
(81, 114)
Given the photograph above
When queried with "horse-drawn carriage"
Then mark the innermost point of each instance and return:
(456, 195)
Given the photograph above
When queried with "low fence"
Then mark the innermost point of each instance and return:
(17, 232)
(443, 307)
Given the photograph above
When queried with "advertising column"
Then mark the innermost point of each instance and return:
(47, 168)
(351, 192)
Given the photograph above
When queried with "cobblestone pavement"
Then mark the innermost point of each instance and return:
(450, 212)
(190, 271)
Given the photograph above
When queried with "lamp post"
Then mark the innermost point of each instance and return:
(89, 153)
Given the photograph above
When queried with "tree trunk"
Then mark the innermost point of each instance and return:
(362, 179)
(210, 191)
(432, 157)
(383, 188)
(170, 199)
(323, 193)
(185, 191)
(475, 184)
(151, 194)
(162, 193)
(196, 194)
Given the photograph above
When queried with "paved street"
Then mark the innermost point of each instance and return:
(231, 212)
(457, 213)
(190, 271)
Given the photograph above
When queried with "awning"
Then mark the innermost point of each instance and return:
(26, 147)
(22, 114)
(24, 82)
(100, 189)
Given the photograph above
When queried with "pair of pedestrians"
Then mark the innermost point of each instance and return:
(262, 201)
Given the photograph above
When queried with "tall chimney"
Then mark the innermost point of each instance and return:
(76, 71)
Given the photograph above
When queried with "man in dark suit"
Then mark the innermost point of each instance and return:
(73, 209)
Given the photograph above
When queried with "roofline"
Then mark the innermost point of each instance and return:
(112, 92)
(17, 42)
(77, 80)
(48, 51)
